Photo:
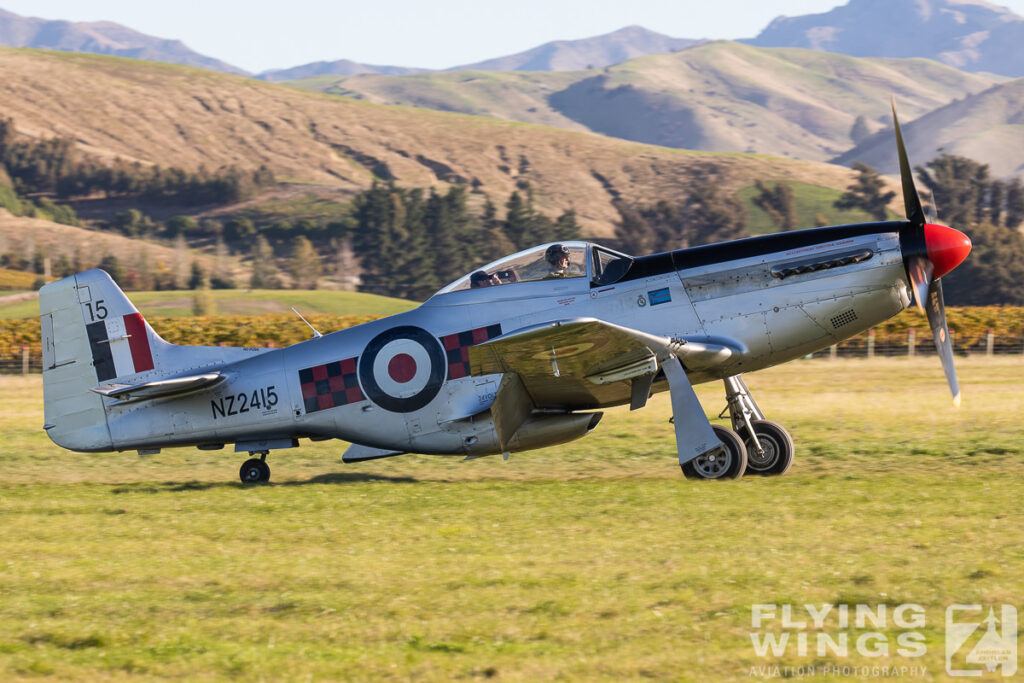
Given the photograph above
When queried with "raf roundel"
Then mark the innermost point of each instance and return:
(402, 369)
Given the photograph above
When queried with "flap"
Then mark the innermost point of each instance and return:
(161, 388)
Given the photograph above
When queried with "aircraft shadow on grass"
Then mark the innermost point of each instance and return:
(331, 478)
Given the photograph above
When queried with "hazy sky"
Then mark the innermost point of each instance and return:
(265, 34)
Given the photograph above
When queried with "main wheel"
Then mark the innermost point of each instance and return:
(254, 471)
(778, 449)
(725, 463)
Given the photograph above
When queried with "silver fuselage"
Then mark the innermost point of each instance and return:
(774, 298)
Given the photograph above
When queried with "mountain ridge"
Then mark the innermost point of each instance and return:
(715, 96)
(338, 67)
(971, 35)
(981, 126)
(101, 37)
(594, 52)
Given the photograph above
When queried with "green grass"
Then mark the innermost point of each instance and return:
(811, 200)
(294, 209)
(245, 302)
(590, 560)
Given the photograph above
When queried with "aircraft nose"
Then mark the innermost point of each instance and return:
(947, 247)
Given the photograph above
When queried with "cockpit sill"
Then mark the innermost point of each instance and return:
(613, 267)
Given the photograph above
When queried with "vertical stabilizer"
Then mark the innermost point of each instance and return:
(91, 334)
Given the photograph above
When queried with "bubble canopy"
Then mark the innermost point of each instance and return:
(552, 261)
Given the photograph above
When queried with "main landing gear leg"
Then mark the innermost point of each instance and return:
(769, 446)
(705, 452)
(255, 470)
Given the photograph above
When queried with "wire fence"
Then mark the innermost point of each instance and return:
(27, 360)
(911, 344)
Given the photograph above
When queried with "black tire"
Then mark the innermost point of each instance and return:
(778, 446)
(254, 471)
(730, 464)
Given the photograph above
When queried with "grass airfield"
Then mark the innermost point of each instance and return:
(591, 560)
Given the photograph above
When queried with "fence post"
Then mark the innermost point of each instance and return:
(871, 344)
(990, 342)
(24, 360)
(833, 352)
(911, 342)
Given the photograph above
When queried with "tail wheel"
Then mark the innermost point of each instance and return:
(728, 462)
(778, 449)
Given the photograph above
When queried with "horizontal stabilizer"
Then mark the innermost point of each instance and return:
(161, 388)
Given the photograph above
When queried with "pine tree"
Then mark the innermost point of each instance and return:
(489, 239)
(992, 273)
(63, 267)
(866, 193)
(197, 276)
(958, 186)
(264, 271)
(372, 239)
(304, 264)
(778, 202)
(113, 266)
(634, 233)
(414, 277)
(711, 215)
(1014, 215)
(202, 300)
(706, 215)
(566, 227)
(518, 221)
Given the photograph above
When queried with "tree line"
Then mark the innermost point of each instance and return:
(55, 166)
(409, 242)
(707, 213)
(960, 191)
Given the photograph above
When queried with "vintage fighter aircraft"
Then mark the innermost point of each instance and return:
(518, 355)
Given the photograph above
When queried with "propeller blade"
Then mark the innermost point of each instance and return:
(920, 270)
(936, 311)
(911, 200)
(930, 251)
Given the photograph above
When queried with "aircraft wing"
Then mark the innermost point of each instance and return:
(161, 388)
(585, 362)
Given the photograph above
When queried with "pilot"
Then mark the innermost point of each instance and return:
(482, 279)
(557, 256)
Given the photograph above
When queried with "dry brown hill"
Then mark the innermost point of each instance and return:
(23, 236)
(180, 116)
(988, 127)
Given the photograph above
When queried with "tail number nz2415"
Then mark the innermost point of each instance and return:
(263, 399)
